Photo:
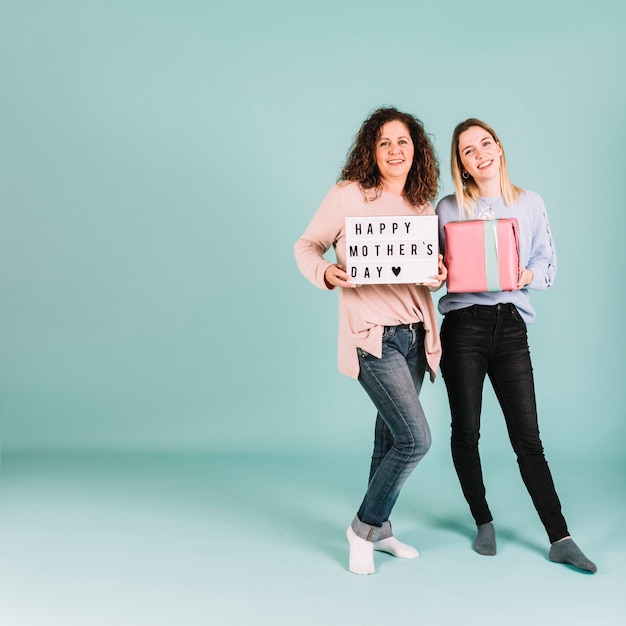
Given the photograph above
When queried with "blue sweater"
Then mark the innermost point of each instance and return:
(537, 251)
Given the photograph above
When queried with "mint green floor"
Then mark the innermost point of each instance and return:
(107, 540)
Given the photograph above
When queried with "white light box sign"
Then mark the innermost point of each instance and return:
(396, 249)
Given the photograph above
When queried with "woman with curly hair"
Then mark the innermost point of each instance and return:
(388, 335)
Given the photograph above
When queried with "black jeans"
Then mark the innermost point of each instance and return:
(492, 340)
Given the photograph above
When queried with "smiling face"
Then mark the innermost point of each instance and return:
(394, 155)
(480, 157)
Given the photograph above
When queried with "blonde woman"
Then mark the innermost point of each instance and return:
(484, 334)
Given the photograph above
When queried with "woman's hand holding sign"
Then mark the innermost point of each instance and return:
(440, 277)
(336, 276)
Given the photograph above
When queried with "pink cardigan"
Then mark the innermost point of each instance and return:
(366, 310)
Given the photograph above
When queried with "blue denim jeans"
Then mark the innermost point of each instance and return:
(491, 341)
(402, 436)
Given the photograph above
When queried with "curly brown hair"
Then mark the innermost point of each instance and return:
(422, 181)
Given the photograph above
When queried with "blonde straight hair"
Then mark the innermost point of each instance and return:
(465, 189)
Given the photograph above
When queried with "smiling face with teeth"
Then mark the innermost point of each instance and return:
(480, 156)
(394, 155)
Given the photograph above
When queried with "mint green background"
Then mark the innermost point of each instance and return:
(158, 160)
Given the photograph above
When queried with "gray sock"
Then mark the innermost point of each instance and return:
(566, 551)
(485, 542)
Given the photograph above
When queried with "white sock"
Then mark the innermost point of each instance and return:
(392, 546)
(361, 559)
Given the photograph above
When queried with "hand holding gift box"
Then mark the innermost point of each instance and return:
(482, 255)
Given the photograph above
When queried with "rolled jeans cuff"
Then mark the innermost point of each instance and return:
(369, 532)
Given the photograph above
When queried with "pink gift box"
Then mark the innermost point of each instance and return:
(482, 255)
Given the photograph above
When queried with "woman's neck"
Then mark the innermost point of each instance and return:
(396, 187)
(490, 189)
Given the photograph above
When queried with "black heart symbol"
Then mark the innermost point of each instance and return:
(395, 270)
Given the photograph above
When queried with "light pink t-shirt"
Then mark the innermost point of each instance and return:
(366, 310)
